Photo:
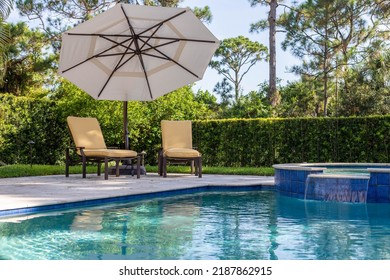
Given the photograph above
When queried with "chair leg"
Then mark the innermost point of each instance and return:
(138, 167)
(193, 163)
(159, 159)
(200, 167)
(164, 166)
(117, 168)
(84, 167)
(67, 159)
(105, 168)
(99, 168)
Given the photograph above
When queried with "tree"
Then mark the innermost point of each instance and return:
(29, 62)
(330, 37)
(308, 35)
(369, 80)
(55, 16)
(271, 23)
(235, 57)
(299, 99)
(5, 9)
(208, 99)
(252, 105)
(224, 89)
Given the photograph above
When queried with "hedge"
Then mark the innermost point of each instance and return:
(232, 142)
(263, 142)
(25, 119)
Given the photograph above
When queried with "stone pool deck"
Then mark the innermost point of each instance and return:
(30, 192)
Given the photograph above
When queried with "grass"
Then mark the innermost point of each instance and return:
(19, 170)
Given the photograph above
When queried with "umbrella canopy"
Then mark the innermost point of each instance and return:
(134, 52)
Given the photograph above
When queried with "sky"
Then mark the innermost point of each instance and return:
(231, 19)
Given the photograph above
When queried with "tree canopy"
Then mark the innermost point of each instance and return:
(235, 57)
(343, 47)
(333, 39)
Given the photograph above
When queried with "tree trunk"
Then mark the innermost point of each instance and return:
(236, 87)
(273, 94)
(326, 62)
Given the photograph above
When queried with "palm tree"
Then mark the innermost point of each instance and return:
(5, 10)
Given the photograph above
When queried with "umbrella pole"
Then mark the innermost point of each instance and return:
(125, 128)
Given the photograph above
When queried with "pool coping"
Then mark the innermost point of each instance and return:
(31, 195)
(339, 176)
(320, 166)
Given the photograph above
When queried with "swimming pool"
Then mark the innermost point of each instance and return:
(208, 225)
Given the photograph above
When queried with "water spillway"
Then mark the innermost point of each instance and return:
(341, 182)
(347, 188)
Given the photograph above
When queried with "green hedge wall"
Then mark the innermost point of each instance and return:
(233, 142)
(263, 142)
(26, 119)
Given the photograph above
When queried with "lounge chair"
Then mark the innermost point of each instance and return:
(91, 147)
(177, 146)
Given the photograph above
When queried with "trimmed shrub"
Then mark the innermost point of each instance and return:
(263, 142)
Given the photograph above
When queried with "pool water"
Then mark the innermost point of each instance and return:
(347, 171)
(207, 226)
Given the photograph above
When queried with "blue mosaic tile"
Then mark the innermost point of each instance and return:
(295, 175)
(301, 187)
(294, 187)
(382, 193)
(383, 179)
(371, 194)
(373, 179)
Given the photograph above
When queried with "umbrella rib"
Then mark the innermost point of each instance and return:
(158, 46)
(138, 51)
(174, 61)
(116, 54)
(94, 56)
(146, 75)
(117, 43)
(156, 56)
(162, 22)
(181, 39)
(127, 60)
(99, 35)
(150, 37)
(118, 65)
(133, 34)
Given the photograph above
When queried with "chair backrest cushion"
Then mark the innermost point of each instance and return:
(176, 134)
(86, 132)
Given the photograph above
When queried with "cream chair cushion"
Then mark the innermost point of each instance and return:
(86, 132)
(111, 153)
(181, 153)
(176, 134)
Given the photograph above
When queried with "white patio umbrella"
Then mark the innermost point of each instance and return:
(134, 52)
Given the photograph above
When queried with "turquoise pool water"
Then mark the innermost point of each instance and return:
(210, 225)
(347, 171)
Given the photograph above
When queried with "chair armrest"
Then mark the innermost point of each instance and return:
(74, 148)
(80, 149)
